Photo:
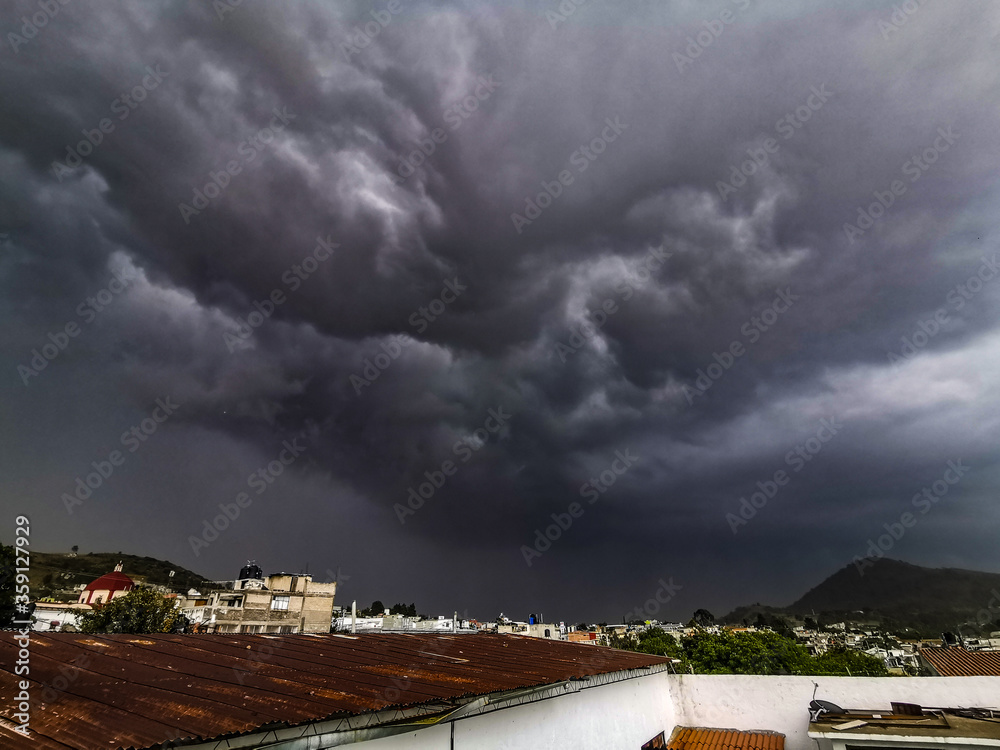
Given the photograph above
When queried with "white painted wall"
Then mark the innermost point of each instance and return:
(781, 703)
(620, 715)
(626, 714)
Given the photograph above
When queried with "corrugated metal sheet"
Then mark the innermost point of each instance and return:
(122, 691)
(957, 662)
(700, 738)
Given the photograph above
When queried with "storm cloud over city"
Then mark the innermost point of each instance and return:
(504, 306)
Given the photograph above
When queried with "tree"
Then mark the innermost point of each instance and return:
(138, 611)
(744, 653)
(845, 661)
(703, 618)
(7, 581)
(76, 548)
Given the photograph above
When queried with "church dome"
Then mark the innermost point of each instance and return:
(116, 581)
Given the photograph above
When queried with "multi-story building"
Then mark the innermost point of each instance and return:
(279, 603)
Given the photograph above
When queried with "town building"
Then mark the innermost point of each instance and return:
(109, 586)
(279, 603)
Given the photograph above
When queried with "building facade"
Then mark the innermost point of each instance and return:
(279, 603)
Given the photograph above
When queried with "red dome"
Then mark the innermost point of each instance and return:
(116, 581)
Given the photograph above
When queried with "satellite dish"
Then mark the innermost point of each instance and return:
(818, 707)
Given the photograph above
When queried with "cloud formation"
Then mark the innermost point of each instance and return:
(375, 224)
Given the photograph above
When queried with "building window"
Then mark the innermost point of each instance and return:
(548, 633)
(280, 602)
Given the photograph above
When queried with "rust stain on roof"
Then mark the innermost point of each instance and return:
(136, 692)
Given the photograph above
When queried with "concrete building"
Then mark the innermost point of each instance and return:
(57, 615)
(387, 623)
(280, 603)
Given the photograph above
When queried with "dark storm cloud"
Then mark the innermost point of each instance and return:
(576, 165)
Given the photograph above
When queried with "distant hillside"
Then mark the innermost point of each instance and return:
(899, 596)
(55, 574)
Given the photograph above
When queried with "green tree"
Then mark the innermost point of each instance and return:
(744, 653)
(7, 580)
(138, 611)
(702, 618)
(846, 661)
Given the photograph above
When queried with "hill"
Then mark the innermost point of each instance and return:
(56, 574)
(900, 597)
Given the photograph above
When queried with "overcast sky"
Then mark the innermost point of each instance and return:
(611, 261)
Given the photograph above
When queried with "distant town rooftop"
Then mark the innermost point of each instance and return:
(955, 661)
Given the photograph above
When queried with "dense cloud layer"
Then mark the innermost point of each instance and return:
(513, 251)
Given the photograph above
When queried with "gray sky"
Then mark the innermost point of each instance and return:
(662, 242)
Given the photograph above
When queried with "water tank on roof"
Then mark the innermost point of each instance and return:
(531, 619)
(251, 570)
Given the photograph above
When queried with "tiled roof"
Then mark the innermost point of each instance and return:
(957, 662)
(700, 738)
(123, 691)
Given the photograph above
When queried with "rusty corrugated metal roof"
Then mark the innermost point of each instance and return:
(701, 738)
(957, 662)
(124, 691)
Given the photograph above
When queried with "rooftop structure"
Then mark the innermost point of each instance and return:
(905, 725)
(701, 738)
(954, 661)
(251, 691)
